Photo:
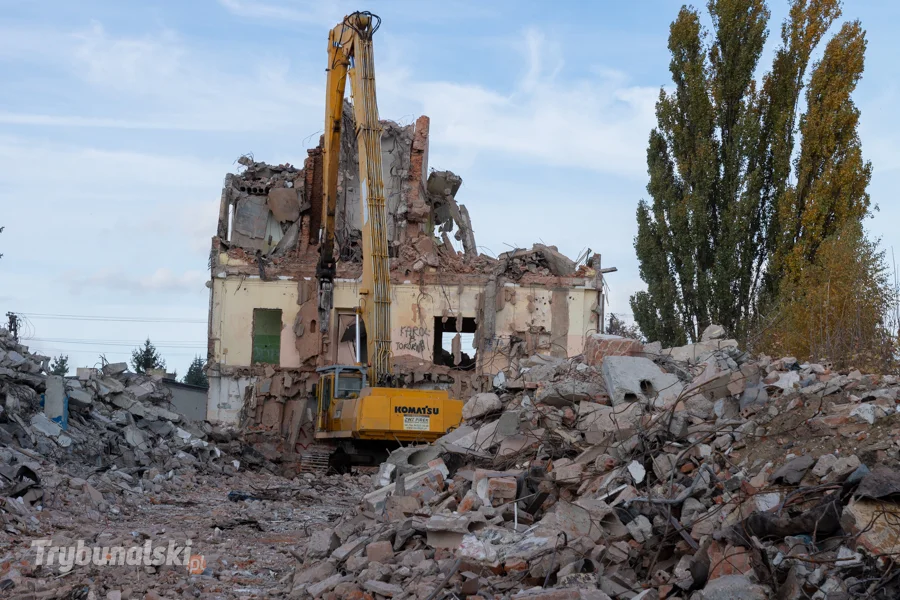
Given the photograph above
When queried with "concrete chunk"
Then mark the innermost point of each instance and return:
(609, 419)
(284, 204)
(322, 543)
(80, 398)
(55, 399)
(634, 378)
(115, 368)
(480, 405)
(140, 390)
(326, 585)
(732, 587)
(41, 423)
(388, 590)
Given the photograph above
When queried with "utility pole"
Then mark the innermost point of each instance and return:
(13, 326)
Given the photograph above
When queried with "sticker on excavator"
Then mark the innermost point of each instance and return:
(413, 423)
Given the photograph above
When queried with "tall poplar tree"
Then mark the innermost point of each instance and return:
(726, 221)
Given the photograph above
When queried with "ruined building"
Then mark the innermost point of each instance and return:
(264, 339)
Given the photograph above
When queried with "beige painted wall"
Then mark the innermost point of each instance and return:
(414, 309)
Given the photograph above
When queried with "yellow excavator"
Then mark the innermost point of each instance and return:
(359, 407)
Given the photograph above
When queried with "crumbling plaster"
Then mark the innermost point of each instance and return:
(414, 309)
(526, 319)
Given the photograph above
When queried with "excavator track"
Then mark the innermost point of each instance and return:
(315, 458)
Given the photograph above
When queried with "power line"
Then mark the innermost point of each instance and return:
(126, 343)
(102, 318)
(113, 353)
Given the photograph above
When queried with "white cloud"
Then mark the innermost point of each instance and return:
(596, 121)
(158, 81)
(162, 280)
(97, 170)
(328, 12)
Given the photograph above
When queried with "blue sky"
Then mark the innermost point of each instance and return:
(119, 120)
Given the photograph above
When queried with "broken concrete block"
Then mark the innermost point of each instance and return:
(80, 398)
(92, 493)
(517, 443)
(380, 552)
(866, 413)
(697, 353)
(113, 385)
(637, 471)
(663, 466)
(317, 590)
(732, 587)
(509, 422)
(388, 590)
(421, 483)
(470, 502)
(713, 383)
(480, 405)
(713, 332)
(322, 543)
(115, 368)
(576, 593)
(85, 373)
(284, 203)
(385, 474)
(484, 438)
(318, 572)
(568, 393)
(448, 531)
(608, 419)
(135, 437)
(633, 378)
(41, 423)
(640, 529)
(787, 381)
(568, 474)
(824, 465)
(794, 471)
(140, 390)
(754, 397)
(55, 400)
(397, 507)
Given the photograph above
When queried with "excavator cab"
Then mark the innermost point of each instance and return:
(337, 382)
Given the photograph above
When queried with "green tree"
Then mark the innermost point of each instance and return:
(195, 373)
(725, 218)
(60, 365)
(616, 326)
(146, 357)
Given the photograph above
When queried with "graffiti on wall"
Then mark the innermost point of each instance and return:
(412, 339)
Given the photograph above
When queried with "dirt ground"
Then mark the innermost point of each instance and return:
(246, 543)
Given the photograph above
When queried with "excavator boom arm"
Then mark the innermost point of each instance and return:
(350, 52)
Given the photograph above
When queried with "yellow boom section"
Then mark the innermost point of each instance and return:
(350, 52)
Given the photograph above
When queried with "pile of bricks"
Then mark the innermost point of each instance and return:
(637, 472)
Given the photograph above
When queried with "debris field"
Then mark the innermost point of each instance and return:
(629, 472)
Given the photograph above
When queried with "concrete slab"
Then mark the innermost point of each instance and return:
(634, 378)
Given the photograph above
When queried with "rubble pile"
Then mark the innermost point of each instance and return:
(103, 420)
(641, 473)
(117, 468)
(541, 260)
